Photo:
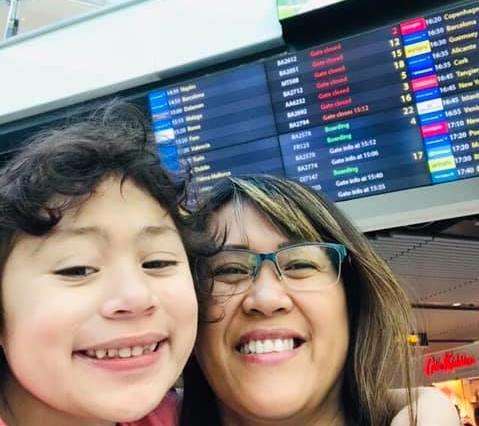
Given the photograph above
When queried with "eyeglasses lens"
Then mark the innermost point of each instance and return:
(304, 267)
(309, 267)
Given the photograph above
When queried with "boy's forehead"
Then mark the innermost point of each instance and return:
(105, 234)
(114, 207)
(114, 197)
(62, 235)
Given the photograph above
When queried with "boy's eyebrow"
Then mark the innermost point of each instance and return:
(153, 231)
(94, 231)
(97, 232)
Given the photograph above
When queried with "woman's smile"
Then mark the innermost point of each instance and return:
(273, 351)
(269, 346)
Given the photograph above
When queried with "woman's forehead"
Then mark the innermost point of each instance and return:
(246, 226)
(242, 222)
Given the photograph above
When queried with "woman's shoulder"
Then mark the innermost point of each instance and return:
(166, 414)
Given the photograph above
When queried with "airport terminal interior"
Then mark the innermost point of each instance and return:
(380, 113)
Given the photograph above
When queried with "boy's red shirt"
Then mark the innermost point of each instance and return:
(166, 414)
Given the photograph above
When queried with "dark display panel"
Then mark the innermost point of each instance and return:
(289, 8)
(391, 109)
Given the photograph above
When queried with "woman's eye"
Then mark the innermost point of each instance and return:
(300, 265)
(159, 264)
(231, 270)
(302, 269)
(231, 274)
(76, 271)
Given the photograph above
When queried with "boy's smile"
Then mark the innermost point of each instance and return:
(100, 313)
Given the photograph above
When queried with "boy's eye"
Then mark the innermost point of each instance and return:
(158, 264)
(76, 271)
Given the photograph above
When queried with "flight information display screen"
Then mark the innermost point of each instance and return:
(387, 110)
(289, 8)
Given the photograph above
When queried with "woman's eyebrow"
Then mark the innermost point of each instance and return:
(291, 243)
(234, 247)
(279, 246)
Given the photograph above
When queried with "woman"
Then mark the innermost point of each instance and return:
(303, 324)
(98, 303)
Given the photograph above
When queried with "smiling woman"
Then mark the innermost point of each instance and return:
(303, 324)
(98, 303)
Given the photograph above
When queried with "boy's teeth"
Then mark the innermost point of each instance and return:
(124, 352)
(137, 350)
(121, 352)
(267, 346)
(100, 353)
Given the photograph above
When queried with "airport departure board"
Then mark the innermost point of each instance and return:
(391, 109)
(289, 8)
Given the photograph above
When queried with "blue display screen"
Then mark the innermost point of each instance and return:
(392, 109)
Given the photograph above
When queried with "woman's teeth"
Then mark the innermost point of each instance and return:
(267, 346)
(133, 351)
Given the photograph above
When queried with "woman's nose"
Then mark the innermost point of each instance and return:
(267, 295)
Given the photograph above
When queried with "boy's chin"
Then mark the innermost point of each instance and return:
(132, 410)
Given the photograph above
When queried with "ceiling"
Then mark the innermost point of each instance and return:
(438, 265)
(34, 14)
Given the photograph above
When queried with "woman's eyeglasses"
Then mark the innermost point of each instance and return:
(302, 267)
